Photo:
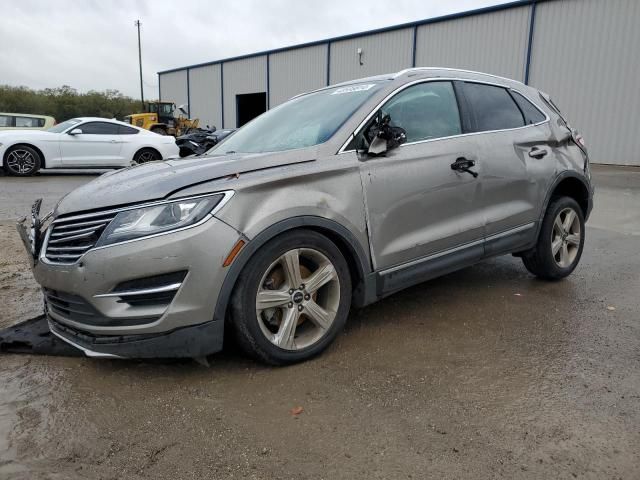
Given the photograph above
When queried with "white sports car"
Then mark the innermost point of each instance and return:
(82, 143)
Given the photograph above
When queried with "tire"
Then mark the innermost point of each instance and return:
(296, 321)
(22, 161)
(560, 242)
(159, 130)
(146, 155)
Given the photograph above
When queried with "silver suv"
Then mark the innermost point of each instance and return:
(337, 198)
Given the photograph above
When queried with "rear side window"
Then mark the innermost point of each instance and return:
(29, 122)
(425, 111)
(99, 128)
(6, 121)
(124, 130)
(492, 108)
(531, 113)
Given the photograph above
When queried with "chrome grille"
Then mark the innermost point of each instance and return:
(68, 240)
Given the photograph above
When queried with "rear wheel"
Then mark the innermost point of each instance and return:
(292, 298)
(560, 243)
(146, 155)
(22, 161)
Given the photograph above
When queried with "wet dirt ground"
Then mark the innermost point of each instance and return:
(485, 373)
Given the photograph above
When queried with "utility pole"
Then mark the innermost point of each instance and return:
(137, 24)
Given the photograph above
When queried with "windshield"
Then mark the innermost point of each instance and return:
(61, 127)
(301, 122)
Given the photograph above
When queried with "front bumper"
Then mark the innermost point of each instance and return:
(193, 342)
(83, 310)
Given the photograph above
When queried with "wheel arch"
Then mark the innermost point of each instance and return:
(43, 160)
(146, 147)
(570, 184)
(359, 265)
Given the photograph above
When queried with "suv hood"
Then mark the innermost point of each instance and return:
(158, 180)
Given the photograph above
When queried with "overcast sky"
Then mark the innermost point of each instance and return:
(92, 44)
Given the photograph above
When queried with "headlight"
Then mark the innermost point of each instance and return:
(154, 219)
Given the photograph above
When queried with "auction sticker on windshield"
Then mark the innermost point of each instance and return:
(353, 88)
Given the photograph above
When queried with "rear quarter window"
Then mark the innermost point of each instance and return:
(492, 108)
(532, 114)
(124, 130)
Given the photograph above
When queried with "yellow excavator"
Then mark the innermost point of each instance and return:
(163, 118)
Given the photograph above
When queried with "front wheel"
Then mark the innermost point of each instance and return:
(22, 161)
(560, 243)
(292, 298)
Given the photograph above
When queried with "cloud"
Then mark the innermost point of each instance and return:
(93, 44)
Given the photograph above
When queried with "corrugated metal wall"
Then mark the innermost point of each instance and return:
(296, 71)
(242, 76)
(493, 43)
(204, 90)
(173, 87)
(381, 53)
(585, 55)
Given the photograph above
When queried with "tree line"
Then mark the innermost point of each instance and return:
(66, 102)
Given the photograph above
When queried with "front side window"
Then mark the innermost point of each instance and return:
(166, 109)
(29, 122)
(304, 121)
(425, 111)
(492, 107)
(99, 128)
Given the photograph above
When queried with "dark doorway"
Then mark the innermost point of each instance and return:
(249, 106)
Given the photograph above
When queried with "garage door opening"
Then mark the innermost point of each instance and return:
(249, 106)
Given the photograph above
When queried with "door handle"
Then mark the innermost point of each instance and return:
(464, 165)
(536, 152)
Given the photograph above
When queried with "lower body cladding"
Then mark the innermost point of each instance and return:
(152, 297)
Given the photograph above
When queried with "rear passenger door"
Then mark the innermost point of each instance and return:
(516, 160)
(418, 207)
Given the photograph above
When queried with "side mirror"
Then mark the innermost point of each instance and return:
(75, 131)
(383, 136)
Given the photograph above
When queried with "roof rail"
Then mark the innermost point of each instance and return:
(447, 69)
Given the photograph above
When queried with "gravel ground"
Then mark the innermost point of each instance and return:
(485, 373)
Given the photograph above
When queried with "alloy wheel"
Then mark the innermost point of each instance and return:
(298, 298)
(566, 237)
(146, 156)
(21, 161)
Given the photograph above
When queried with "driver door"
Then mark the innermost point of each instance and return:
(423, 215)
(99, 145)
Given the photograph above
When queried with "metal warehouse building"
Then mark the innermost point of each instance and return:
(584, 53)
